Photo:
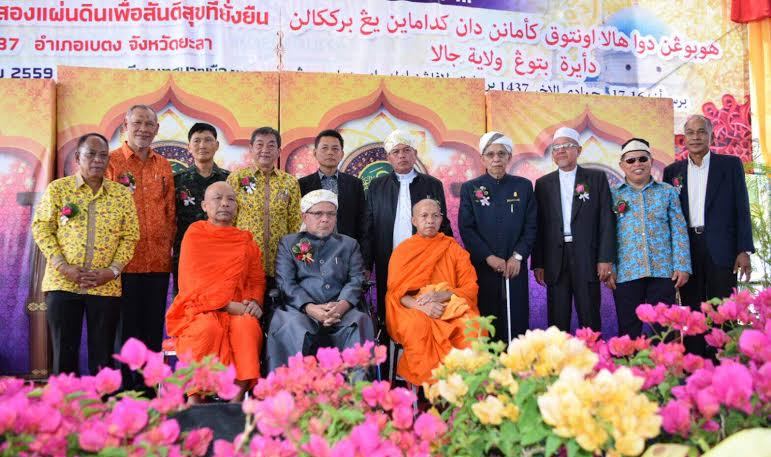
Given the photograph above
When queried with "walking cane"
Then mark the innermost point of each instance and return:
(508, 307)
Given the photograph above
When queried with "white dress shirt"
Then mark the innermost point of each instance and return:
(567, 189)
(697, 190)
(403, 220)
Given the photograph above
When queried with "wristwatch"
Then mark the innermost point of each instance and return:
(517, 256)
(115, 271)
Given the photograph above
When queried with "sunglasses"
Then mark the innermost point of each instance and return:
(641, 159)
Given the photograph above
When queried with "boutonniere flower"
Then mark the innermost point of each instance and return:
(677, 183)
(482, 195)
(582, 192)
(303, 251)
(68, 211)
(622, 206)
(127, 179)
(186, 198)
(248, 184)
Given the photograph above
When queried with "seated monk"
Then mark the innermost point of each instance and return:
(432, 292)
(320, 275)
(221, 286)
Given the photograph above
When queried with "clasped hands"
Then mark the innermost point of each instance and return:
(328, 314)
(84, 278)
(247, 306)
(433, 303)
(507, 268)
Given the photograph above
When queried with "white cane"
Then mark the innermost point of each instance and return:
(508, 309)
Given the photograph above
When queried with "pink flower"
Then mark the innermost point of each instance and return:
(133, 353)
(717, 338)
(654, 377)
(707, 403)
(225, 383)
(642, 343)
(197, 441)
(668, 354)
(692, 363)
(155, 370)
(244, 181)
(762, 382)
(66, 211)
(224, 448)
(358, 356)
(276, 414)
(676, 182)
(479, 194)
(93, 436)
(729, 310)
(163, 434)
(755, 345)
(621, 346)
(317, 446)
(711, 426)
(646, 313)
(402, 417)
(580, 188)
(676, 418)
(732, 383)
(365, 437)
(183, 195)
(429, 427)
(381, 352)
(305, 247)
(329, 359)
(588, 336)
(107, 381)
(375, 392)
(695, 324)
(128, 417)
(170, 398)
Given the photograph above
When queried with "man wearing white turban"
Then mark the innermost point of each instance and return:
(389, 208)
(576, 239)
(319, 274)
(497, 222)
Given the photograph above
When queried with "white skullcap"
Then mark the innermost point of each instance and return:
(317, 196)
(398, 137)
(635, 145)
(566, 132)
(491, 138)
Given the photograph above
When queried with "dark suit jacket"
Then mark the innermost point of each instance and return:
(351, 213)
(593, 225)
(382, 198)
(728, 229)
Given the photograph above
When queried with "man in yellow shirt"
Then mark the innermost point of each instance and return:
(87, 228)
(268, 198)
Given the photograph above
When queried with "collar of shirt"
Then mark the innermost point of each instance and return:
(407, 176)
(128, 152)
(568, 174)
(704, 161)
(626, 185)
(215, 170)
(80, 182)
(258, 171)
(322, 175)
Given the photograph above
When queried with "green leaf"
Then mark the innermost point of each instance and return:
(572, 448)
(113, 452)
(553, 443)
(534, 435)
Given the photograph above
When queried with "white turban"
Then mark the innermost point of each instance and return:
(491, 138)
(567, 132)
(317, 196)
(399, 137)
(635, 145)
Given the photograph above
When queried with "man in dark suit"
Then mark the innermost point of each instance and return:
(351, 216)
(575, 243)
(713, 195)
(389, 207)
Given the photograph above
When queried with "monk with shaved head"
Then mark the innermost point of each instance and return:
(432, 292)
(221, 289)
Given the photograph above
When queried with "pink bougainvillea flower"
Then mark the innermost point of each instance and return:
(621, 346)
(756, 345)
(197, 441)
(654, 376)
(647, 313)
(93, 436)
(128, 417)
(317, 446)
(692, 362)
(707, 403)
(717, 338)
(107, 381)
(402, 417)
(133, 353)
(375, 392)
(732, 384)
(155, 371)
(429, 427)
(676, 418)
(164, 434)
(329, 358)
(225, 383)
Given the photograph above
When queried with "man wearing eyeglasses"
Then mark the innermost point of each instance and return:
(389, 206)
(576, 240)
(320, 275)
(713, 195)
(268, 198)
(653, 258)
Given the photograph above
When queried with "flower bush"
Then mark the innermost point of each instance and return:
(81, 416)
(309, 408)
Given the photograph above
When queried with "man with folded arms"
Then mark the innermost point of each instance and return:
(221, 288)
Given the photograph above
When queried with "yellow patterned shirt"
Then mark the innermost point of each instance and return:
(268, 207)
(101, 234)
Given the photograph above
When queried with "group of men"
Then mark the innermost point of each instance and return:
(230, 237)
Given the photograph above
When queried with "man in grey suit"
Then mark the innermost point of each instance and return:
(320, 275)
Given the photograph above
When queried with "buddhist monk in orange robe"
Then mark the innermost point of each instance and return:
(221, 288)
(432, 292)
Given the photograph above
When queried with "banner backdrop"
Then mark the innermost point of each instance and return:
(688, 51)
(27, 117)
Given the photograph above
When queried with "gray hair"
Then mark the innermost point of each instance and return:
(144, 107)
(707, 124)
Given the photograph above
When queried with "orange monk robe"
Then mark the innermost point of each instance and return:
(418, 262)
(218, 265)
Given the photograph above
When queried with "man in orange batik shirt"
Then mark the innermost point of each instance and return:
(146, 278)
